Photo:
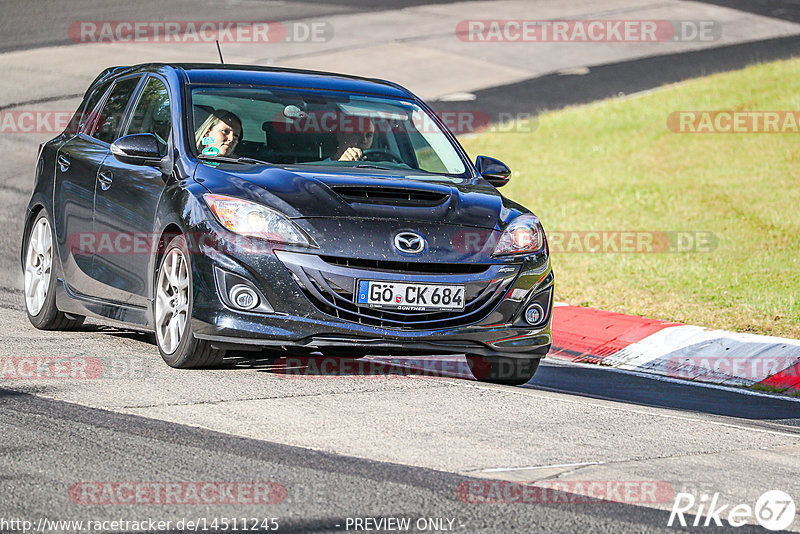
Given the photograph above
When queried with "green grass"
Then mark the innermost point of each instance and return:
(614, 165)
(768, 389)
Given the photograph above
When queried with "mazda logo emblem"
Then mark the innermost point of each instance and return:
(409, 242)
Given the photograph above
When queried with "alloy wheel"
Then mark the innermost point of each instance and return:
(172, 300)
(38, 266)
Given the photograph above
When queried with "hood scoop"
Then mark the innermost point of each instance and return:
(391, 196)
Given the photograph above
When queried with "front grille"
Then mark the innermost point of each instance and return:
(330, 288)
(390, 196)
(407, 267)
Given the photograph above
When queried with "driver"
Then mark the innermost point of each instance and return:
(221, 130)
(353, 141)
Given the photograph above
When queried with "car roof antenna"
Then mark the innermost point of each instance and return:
(222, 61)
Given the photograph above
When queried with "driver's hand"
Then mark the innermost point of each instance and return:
(352, 154)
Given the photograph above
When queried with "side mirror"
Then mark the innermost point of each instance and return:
(493, 171)
(137, 149)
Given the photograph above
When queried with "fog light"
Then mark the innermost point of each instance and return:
(534, 314)
(243, 297)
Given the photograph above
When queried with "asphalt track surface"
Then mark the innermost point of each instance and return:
(780, 9)
(556, 91)
(38, 23)
(322, 489)
(390, 444)
(376, 446)
(46, 450)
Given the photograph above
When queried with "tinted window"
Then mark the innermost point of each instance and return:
(298, 126)
(107, 123)
(152, 112)
(83, 115)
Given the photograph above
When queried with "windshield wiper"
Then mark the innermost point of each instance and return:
(363, 166)
(243, 160)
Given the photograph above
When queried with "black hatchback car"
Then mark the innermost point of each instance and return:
(235, 207)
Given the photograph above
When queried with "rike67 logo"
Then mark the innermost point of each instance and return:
(774, 510)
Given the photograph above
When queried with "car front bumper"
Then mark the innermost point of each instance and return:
(306, 314)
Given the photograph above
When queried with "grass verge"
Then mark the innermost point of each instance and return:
(614, 165)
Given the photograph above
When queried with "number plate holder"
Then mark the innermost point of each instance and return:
(405, 296)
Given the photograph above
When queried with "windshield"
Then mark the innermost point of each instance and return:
(303, 127)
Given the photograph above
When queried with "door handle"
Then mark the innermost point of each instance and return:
(106, 178)
(63, 162)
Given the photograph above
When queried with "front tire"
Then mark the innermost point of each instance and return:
(40, 280)
(172, 312)
(500, 370)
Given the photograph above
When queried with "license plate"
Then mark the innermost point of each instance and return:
(409, 297)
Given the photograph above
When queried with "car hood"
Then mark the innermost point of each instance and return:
(323, 192)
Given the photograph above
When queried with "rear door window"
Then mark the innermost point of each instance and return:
(84, 113)
(107, 122)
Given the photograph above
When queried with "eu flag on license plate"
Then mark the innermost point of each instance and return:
(363, 291)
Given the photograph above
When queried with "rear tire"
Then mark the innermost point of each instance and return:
(500, 370)
(172, 312)
(40, 279)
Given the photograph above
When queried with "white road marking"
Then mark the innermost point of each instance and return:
(553, 466)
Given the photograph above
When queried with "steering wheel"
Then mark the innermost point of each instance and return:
(379, 154)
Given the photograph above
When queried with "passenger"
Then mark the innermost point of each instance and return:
(222, 130)
(353, 141)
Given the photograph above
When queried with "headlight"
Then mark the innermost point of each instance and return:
(523, 236)
(254, 220)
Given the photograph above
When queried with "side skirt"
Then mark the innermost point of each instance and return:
(70, 301)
